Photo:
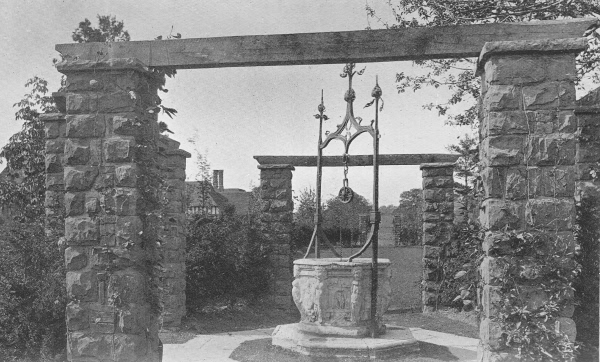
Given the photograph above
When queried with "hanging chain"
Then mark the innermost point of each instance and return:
(346, 194)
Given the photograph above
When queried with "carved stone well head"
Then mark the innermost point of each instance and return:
(334, 296)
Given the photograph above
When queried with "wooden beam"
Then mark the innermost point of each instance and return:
(358, 160)
(326, 48)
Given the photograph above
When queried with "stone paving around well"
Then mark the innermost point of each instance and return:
(218, 347)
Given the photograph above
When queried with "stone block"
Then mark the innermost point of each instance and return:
(504, 182)
(128, 284)
(501, 98)
(82, 285)
(511, 70)
(432, 274)
(551, 121)
(438, 195)
(436, 239)
(55, 181)
(429, 298)
(567, 326)
(277, 206)
(127, 201)
(533, 296)
(55, 145)
(428, 171)
(491, 296)
(119, 149)
(497, 214)
(505, 150)
(85, 126)
(492, 270)
(133, 320)
(551, 150)
(549, 95)
(490, 334)
(77, 316)
(551, 214)
(558, 181)
(438, 182)
(432, 252)
(74, 203)
(125, 124)
(126, 175)
(91, 102)
(441, 207)
(128, 229)
(76, 258)
(588, 152)
(77, 152)
(504, 123)
(81, 231)
(53, 163)
(434, 228)
(54, 129)
(79, 178)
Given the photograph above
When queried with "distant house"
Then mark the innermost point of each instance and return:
(211, 199)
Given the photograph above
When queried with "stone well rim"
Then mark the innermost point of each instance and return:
(341, 262)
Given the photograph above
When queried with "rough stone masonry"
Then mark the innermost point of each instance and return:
(276, 218)
(438, 217)
(527, 151)
(104, 155)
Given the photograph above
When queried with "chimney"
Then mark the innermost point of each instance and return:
(218, 180)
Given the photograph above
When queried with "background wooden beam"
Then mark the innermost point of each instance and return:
(358, 160)
(326, 48)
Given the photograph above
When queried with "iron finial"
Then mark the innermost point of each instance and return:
(321, 107)
(376, 92)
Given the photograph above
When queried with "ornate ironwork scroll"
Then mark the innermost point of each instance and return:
(346, 132)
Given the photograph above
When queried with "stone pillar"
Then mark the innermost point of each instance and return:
(588, 146)
(527, 152)
(112, 185)
(276, 216)
(171, 233)
(55, 127)
(438, 217)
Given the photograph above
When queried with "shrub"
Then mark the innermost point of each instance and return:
(586, 283)
(32, 294)
(460, 267)
(227, 261)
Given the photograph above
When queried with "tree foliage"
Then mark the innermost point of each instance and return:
(108, 30)
(410, 210)
(23, 190)
(457, 75)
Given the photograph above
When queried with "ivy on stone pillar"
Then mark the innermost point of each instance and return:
(171, 234)
(527, 151)
(111, 184)
(438, 217)
(277, 210)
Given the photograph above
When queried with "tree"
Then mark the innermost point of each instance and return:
(341, 220)
(307, 205)
(457, 75)
(24, 188)
(108, 30)
(411, 216)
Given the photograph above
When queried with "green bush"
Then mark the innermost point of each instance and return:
(32, 294)
(460, 267)
(227, 261)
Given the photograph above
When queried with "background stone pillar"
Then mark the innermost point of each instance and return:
(112, 184)
(171, 233)
(527, 152)
(55, 127)
(438, 217)
(277, 215)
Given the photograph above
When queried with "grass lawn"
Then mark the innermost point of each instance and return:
(406, 273)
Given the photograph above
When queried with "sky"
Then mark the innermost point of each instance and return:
(231, 114)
